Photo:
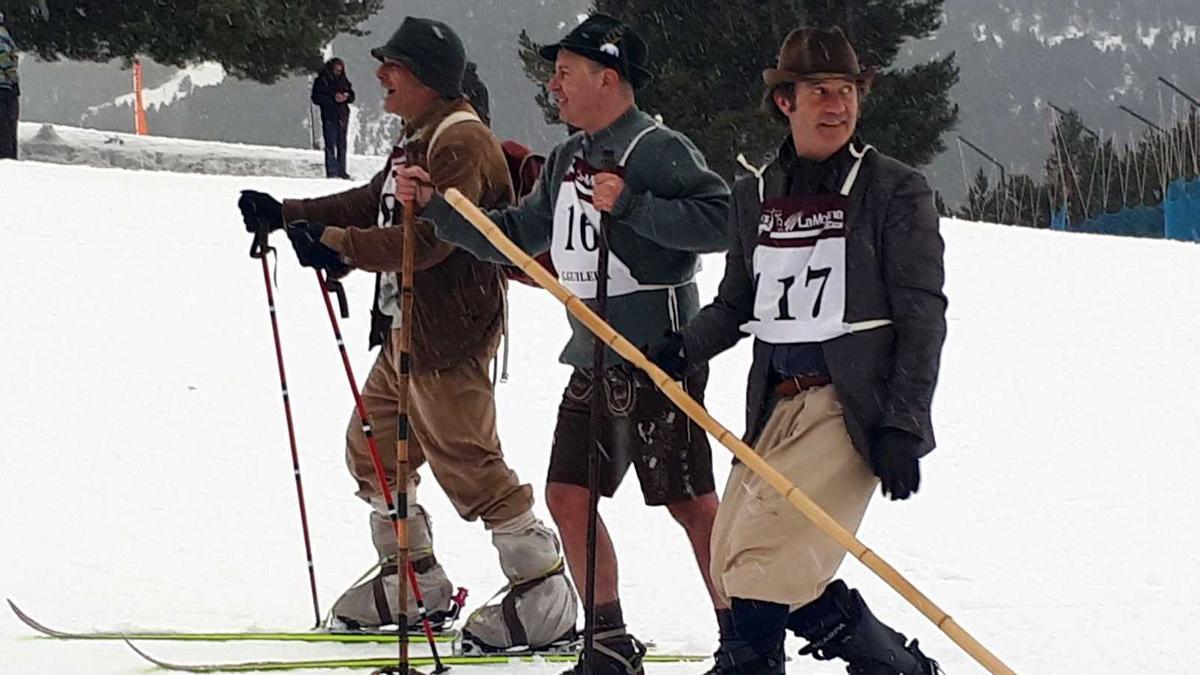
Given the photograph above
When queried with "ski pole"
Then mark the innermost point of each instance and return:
(403, 385)
(595, 431)
(724, 436)
(393, 513)
(260, 249)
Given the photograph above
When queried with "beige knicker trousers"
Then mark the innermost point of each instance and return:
(762, 547)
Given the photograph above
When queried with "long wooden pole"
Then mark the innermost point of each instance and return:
(403, 366)
(725, 437)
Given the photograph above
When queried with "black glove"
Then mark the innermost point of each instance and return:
(894, 456)
(306, 239)
(668, 354)
(260, 211)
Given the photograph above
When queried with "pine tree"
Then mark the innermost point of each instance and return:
(708, 57)
(255, 39)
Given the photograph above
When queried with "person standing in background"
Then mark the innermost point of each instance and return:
(333, 94)
(10, 94)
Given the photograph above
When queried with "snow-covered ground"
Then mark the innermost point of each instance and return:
(145, 479)
(92, 147)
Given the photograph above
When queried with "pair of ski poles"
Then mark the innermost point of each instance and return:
(397, 506)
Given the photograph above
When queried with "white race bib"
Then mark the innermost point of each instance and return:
(388, 216)
(800, 267)
(575, 245)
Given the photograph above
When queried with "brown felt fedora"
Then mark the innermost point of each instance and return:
(813, 54)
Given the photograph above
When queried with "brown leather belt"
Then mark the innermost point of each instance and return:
(794, 385)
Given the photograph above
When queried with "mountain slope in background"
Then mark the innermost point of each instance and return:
(1015, 56)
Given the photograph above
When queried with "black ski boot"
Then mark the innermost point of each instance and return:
(739, 657)
(617, 653)
(752, 633)
(838, 625)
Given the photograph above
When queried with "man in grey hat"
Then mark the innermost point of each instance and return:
(835, 268)
(665, 207)
(457, 316)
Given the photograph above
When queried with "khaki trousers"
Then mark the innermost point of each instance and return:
(762, 547)
(452, 419)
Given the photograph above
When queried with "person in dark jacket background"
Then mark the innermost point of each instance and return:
(835, 267)
(10, 94)
(333, 94)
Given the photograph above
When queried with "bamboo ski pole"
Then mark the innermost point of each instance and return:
(260, 249)
(743, 452)
(403, 371)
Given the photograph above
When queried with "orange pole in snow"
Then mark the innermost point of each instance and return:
(139, 110)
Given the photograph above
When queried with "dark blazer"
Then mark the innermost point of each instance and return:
(884, 377)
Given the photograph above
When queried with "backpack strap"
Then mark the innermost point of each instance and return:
(449, 121)
(858, 160)
(758, 172)
(636, 139)
(530, 159)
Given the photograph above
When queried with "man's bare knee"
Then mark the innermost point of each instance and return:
(693, 513)
(567, 503)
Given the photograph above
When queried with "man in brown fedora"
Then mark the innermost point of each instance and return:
(835, 268)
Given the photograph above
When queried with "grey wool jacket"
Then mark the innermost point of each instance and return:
(673, 208)
(884, 377)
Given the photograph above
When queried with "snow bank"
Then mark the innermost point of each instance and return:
(89, 147)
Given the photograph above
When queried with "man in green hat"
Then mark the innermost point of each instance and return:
(665, 207)
(835, 268)
(457, 317)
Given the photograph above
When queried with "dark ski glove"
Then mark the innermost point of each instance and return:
(894, 457)
(306, 239)
(668, 354)
(260, 211)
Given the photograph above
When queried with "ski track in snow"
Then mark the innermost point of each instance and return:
(146, 480)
